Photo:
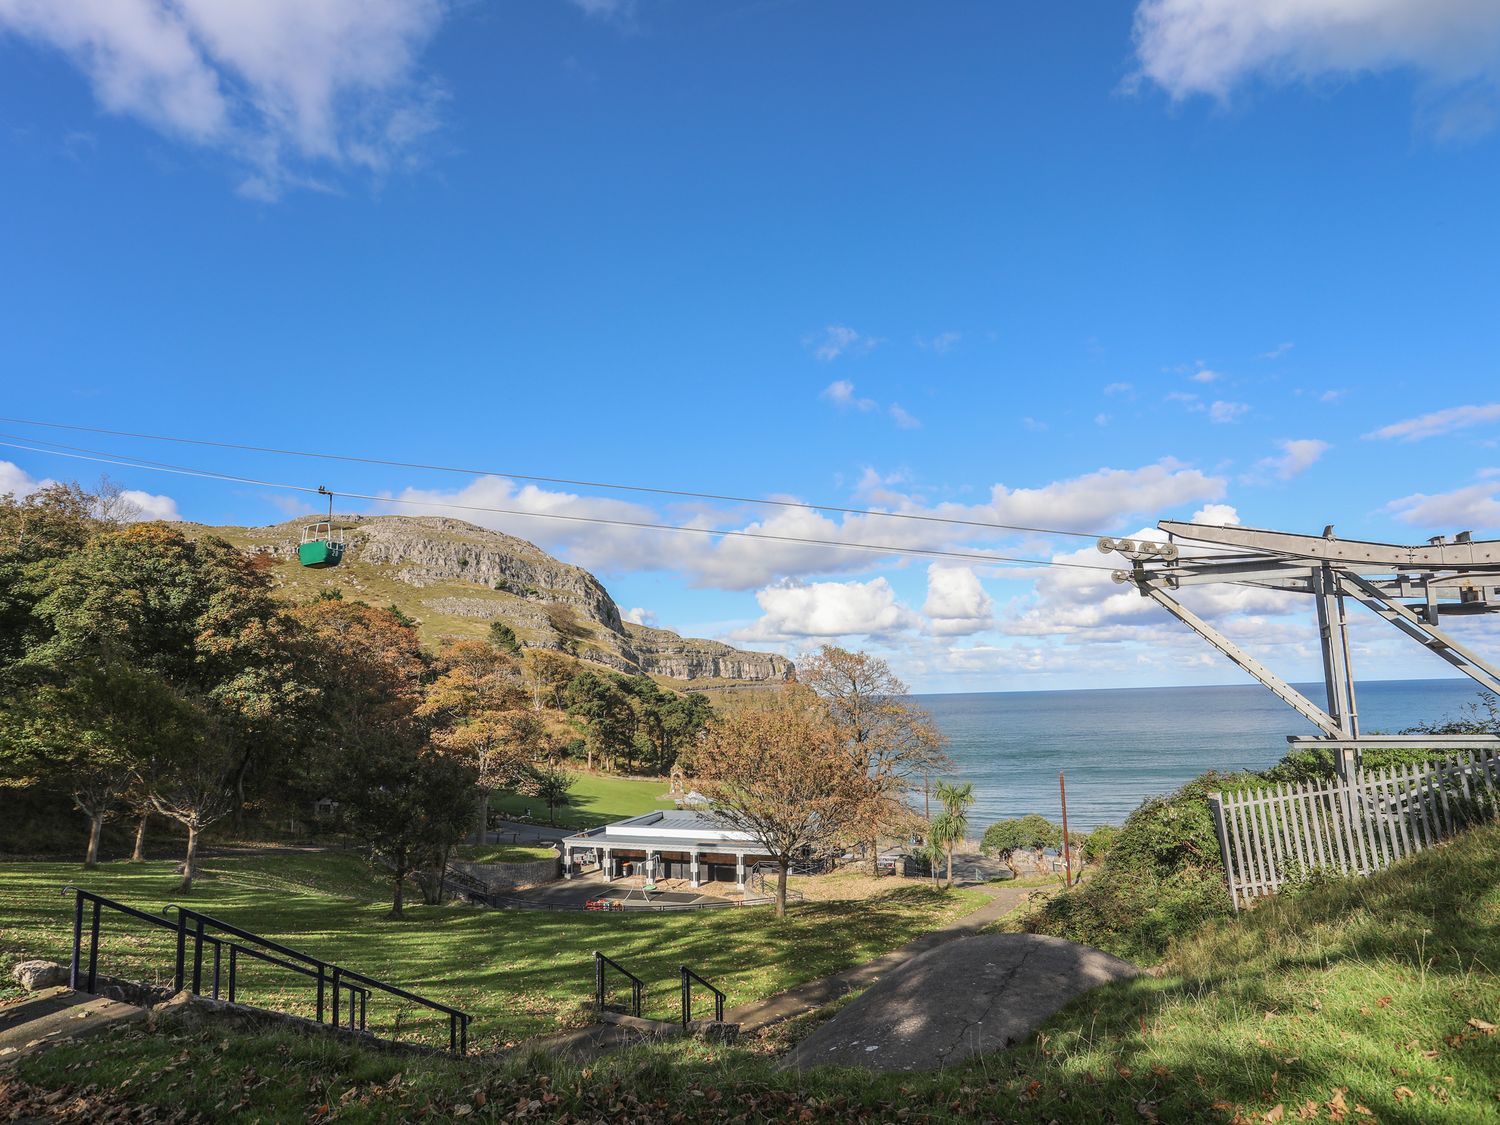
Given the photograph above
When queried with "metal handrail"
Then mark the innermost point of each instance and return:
(637, 986)
(325, 972)
(236, 950)
(688, 976)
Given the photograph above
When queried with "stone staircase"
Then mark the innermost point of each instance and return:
(56, 1015)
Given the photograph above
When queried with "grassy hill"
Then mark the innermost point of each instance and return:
(1357, 1001)
(454, 578)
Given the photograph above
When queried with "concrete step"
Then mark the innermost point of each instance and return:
(57, 1014)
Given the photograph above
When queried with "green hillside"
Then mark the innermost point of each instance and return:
(1358, 1001)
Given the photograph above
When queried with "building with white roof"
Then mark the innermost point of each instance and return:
(679, 844)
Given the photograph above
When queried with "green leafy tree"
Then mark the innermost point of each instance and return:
(1097, 843)
(1031, 833)
(609, 720)
(503, 637)
(951, 826)
(551, 784)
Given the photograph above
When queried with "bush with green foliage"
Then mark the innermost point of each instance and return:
(1097, 843)
(1161, 878)
(1032, 832)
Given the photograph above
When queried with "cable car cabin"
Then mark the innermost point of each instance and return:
(322, 545)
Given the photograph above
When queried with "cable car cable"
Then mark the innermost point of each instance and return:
(125, 461)
(604, 485)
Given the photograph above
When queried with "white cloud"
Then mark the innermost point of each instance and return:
(1297, 456)
(841, 393)
(957, 603)
(17, 481)
(291, 90)
(1227, 411)
(151, 506)
(1101, 419)
(1279, 350)
(639, 616)
(1331, 396)
(836, 340)
(1210, 46)
(1474, 507)
(1220, 515)
(1206, 375)
(1438, 422)
(1095, 502)
(606, 9)
(1033, 424)
(903, 417)
(829, 609)
(942, 343)
(1118, 389)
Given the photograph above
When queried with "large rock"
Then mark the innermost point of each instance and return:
(962, 999)
(34, 976)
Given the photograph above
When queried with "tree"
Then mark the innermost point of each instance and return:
(778, 771)
(549, 783)
(549, 673)
(606, 712)
(410, 805)
(893, 742)
(503, 637)
(1097, 843)
(479, 707)
(951, 826)
(196, 618)
(1032, 832)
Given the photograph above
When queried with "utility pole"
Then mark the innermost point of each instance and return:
(1062, 789)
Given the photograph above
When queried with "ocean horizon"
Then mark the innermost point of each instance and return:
(1120, 746)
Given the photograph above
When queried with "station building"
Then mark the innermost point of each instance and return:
(676, 844)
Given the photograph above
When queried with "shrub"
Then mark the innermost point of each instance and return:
(1097, 843)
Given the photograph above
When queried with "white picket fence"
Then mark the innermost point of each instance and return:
(1273, 836)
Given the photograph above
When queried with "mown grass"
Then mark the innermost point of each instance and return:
(520, 973)
(502, 853)
(1350, 1002)
(596, 799)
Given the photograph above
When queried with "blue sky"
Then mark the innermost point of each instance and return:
(997, 261)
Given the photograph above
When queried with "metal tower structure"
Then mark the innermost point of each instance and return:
(1412, 588)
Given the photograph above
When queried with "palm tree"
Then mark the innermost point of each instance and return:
(951, 826)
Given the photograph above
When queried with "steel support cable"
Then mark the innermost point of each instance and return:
(78, 454)
(602, 485)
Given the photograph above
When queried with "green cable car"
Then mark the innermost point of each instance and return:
(322, 544)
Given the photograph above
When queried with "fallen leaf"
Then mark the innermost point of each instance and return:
(1383, 1001)
(1275, 1113)
(1404, 1093)
(1484, 1027)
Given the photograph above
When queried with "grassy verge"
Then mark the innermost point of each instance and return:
(520, 973)
(1357, 1001)
(596, 799)
(502, 853)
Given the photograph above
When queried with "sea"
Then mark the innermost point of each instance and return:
(1120, 746)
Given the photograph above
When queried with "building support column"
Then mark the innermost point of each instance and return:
(739, 870)
(695, 867)
(652, 861)
(606, 865)
(567, 861)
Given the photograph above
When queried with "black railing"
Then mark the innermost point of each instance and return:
(192, 923)
(346, 989)
(637, 987)
(688, 977)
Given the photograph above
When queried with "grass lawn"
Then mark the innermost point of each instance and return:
(519, 973)
(596, 799)
(1359, 1001)
(502, 853)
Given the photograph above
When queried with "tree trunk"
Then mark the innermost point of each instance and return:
(484, 816)
(874, 842)
(138, 853)
(781, 889)
(949, 850)
(190, 865)
(96, 826)
(398, 886)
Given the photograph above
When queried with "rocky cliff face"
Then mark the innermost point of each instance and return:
(454, 578)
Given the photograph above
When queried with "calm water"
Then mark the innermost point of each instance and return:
(1120, 746)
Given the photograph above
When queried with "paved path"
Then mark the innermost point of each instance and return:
(959, 1000)
(814, 994)
(56, 1014)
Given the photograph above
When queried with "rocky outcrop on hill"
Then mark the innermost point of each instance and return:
(455, 577)
(663, 653)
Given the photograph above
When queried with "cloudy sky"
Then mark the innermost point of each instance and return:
(1236, 260)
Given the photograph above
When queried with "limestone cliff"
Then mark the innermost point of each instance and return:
(454, 578)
